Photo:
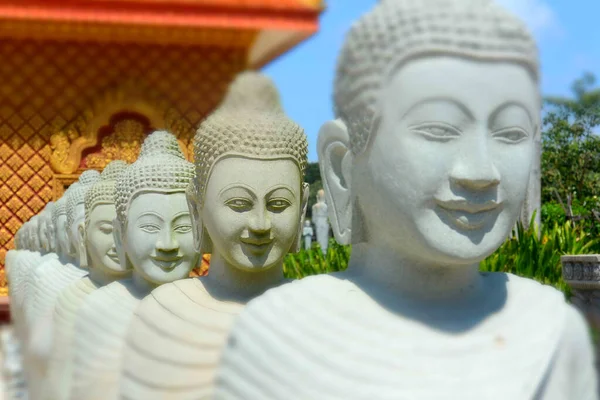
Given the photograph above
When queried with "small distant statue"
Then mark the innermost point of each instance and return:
(307, 234)
(319, 215)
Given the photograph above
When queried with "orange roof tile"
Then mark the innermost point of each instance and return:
(251, 14)
(242, 4)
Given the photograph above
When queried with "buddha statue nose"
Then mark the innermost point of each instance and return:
(474, 168)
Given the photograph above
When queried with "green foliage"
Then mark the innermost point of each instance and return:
(570, 149)
(313, 262)
(528, 254)
(525, 254)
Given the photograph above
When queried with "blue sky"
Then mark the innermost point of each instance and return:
(567, 32)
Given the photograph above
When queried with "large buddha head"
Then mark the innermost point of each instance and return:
(96, 241)
(248, 198)
(438, 112)
(153, 229)
(75, 209)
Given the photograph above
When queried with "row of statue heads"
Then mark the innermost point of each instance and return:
(425, 171)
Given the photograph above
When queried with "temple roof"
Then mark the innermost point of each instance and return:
(266, 27)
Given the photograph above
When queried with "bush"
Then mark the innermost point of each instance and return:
(526, 253)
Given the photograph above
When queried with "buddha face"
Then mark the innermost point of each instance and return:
(252, 210)
(158, 237)
(99, 240)
(60, 232)
(445, 174)
(456, 179)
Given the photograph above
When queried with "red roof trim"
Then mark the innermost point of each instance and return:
(161, 13)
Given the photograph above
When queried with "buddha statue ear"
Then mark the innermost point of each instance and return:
(202, 242)
(335, 161)
(51, 236)
(118, 231)
(303, 206)
(83, 256)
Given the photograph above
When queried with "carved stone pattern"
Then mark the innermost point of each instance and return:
(578, 271)
(50, 85)
(568, 271)
(581, 271)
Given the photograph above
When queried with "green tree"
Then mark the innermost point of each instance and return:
(571, 148)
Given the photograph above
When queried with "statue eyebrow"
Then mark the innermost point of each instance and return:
(150, 213)
(278, 187)
(242, 186)
(508, 104)
(443, 99)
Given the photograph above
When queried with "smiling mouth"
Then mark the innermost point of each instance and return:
(257, 245)
(166, 263)
(469, 216)
(113, 256)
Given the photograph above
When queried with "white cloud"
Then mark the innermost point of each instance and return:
(537, 14)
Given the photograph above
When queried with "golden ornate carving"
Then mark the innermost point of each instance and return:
(69, 142)
(60, 183)
(123, 144)
(202, 270)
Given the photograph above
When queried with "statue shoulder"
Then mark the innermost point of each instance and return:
(303, 294)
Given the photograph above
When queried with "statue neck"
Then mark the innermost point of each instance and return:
(230, 283)
(102, 277)
(383, 270)
(143, 286)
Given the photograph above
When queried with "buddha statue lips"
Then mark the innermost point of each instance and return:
(166, 262)
(468, 215)
(425, 176)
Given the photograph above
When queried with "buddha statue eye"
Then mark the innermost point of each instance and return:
(149, 228)
(278, 205)
(511, 135)
(183, 228)
(106, 228)
(239, 205)
(437, 131)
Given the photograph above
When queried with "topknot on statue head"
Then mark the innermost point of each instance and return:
(60, 205)
(161, 143)
(77, 195)
(89, 177)
(161, 167)
(252, 90)
(250, 122)
(112, 170)
(103, 191)
(397, 31)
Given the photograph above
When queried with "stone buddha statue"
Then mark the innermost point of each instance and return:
(307, 234)
(48, 281)
(426, 171)
(41, 238)
(321, 220)
(17, 263)
(153, 236)
(98, 254)
(247, 201)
